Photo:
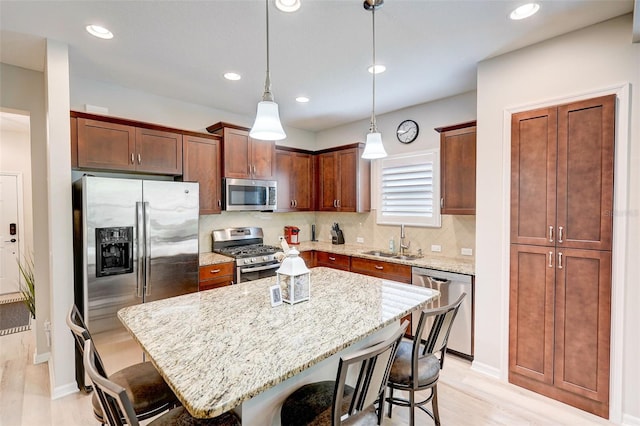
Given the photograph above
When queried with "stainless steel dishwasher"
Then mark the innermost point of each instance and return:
(451, 286)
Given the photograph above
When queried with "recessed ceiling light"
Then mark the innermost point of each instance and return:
(524, 11)
(377, 69)
(232, 76)
(302, 99)
(100, 32)
(288, 5)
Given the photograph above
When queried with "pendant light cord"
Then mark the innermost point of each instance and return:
(374, 128)
(267, 96)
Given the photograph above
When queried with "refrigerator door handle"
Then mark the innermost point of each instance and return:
(140, 238)
(147, 250)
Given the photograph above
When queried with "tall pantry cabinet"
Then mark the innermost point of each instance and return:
(561, 240)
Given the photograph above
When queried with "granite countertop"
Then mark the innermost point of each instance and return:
(219, 348)
(441, 263)
(213, 258)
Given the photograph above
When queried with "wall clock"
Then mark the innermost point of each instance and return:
(407, 131)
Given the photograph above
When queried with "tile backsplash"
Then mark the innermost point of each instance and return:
(456, 232)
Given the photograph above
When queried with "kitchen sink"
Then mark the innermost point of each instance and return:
(392, 255)
(380, 253)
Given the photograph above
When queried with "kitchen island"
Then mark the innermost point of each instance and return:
(228, 348)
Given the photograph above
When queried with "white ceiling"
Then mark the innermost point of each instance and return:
(180, 49)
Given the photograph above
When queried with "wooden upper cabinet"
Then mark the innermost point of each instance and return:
(74, 143)
(158, 152)
(202, 165)
(295, 179)
(562, 175)
(585, 173)
(458, 168)
(533, 176)
(108, 143)
(344, 180)
(244, 157)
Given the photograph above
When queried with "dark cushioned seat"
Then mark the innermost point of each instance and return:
(428, 367)
(145, 387)
(311, 405)
(181, 417)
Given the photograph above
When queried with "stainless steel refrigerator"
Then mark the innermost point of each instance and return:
(135, 241)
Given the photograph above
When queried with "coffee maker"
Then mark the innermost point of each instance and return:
(291, 235)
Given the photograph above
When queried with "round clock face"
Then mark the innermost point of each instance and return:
(407, 131)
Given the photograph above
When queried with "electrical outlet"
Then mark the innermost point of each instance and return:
(359, 240)
(466, 252)
(436, 248)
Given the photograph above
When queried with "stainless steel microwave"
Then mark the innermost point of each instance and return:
(249, 194)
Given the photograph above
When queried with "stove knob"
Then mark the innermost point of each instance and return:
(265, 258)
(253, 260)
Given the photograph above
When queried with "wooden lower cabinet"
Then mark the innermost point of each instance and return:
(559, 324)
(332, 260)
(309, 258)
(380, 269)
(216, 275)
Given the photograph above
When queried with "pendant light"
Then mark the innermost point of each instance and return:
(267, 125)
(373, 147)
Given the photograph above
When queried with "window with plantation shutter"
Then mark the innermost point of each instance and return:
(408, 189)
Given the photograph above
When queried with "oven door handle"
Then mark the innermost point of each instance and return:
(260, 268)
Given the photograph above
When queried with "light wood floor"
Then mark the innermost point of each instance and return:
(465, 397)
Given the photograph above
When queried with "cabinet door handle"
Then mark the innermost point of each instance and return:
(550, 233)
(295, 203)
(139, 159)
(560, 234)
(442, 203)
(550, 259)
(219, 203)
(332, 259)
(335, 203)
(560, 260)
(378, 267)
(132, 160)
(338, 201)
(214, 271)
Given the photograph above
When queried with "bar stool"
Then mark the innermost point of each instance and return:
(119, 411)
(148, 392)
(418, 363)
(335, 402)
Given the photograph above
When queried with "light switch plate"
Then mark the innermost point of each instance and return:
(436, 248)
(359, 240)
(466, 252)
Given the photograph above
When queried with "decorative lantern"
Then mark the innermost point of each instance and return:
(294, 278)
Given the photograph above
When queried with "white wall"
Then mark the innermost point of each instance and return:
(15, 156)
(23, 90)
(136, 105)
(586, 61)
(443, 112)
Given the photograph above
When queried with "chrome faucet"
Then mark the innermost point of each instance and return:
(403, 244)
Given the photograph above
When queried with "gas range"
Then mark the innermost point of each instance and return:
(254, 260)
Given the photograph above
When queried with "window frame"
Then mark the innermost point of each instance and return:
(408, 159)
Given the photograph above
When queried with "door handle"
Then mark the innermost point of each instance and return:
(147, 251)
(378, 267)
(139, 159)
(550, 259)
(332, 259)
(560, 260)
(132, 160)
(560, 232)
(550, 233)
(139, 248)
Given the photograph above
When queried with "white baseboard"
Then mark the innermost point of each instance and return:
(40, 358)
(64, 390)
(485, 369)
(629, 420)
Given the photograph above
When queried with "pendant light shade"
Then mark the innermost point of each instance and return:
(373, 148)
(267, 125)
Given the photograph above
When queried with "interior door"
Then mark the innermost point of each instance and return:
(9, 237)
